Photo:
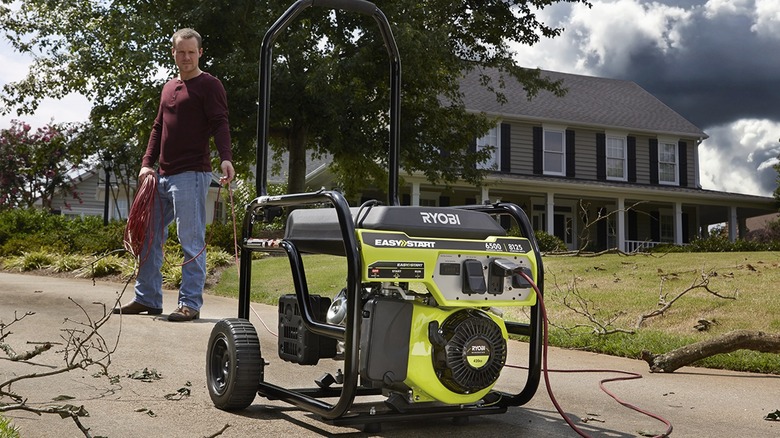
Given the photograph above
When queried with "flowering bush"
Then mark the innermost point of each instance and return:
(35, 164)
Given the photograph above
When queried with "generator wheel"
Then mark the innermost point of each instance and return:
(234, 365)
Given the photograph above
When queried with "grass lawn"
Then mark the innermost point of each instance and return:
(586, 297)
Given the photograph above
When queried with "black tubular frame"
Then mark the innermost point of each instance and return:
(264, 94)
(259, 208)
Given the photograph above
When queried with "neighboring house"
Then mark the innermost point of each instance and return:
(607, 149)
(91, 186)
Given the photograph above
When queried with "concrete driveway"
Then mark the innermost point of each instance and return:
(698, 402)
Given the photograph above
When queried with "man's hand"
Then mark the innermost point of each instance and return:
(228, 173)
(145, 171)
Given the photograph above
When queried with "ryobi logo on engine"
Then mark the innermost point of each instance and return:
(477, 353)
(440, 218)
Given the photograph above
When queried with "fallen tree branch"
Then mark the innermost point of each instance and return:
(700, 282)
(731, 341)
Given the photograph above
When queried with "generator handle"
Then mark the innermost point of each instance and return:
(264, 92)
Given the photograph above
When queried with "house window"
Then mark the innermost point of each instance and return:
(554, 147)
(616, 158)
(667, 163)
(491, 142)
(666, 226)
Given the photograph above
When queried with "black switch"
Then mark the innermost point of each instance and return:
(473, 278)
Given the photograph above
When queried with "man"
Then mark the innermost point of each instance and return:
(193, 108)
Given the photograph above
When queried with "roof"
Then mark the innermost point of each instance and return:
(590, 101)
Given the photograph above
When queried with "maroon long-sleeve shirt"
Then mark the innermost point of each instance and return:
(190, 113)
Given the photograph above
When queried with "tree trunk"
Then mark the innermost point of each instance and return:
(296, 168)
(732, 341)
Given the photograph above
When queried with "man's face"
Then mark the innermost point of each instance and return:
(187, 54)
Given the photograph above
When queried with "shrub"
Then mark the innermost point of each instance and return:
(67, 263)
(719, 243)
(104, 266)
(30, 261)
(7, 429)
(549, 242)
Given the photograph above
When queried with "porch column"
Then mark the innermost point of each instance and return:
(733, 224)
(550, 226)
(621, 224)
(415, 193)
(678, 223)
(485, 195)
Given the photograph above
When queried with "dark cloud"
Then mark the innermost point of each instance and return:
(716, 63)
(723, 71)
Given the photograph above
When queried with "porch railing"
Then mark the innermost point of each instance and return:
(639, 245)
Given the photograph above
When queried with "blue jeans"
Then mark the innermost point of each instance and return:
(180, 197)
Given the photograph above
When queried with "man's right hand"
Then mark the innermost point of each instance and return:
(144, 172)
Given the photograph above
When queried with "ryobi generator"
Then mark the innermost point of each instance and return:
(417, 324)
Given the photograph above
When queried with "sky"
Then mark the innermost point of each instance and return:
(715, 62)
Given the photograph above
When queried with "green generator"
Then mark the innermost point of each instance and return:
(418, 321)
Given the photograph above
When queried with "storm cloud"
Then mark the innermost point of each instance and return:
(715, 62)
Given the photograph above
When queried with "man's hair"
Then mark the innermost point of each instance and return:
(186, 33)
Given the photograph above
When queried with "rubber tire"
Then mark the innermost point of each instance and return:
(234, 365)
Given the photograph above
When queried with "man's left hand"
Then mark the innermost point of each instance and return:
(228, 173)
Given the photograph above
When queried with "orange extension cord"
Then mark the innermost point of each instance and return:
(627, 375)
(139, 218)
(141, 214)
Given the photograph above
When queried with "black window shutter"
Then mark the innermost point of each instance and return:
(686, 235)
(538, 152)
(570, 153)
(444, 201)
(506, 137)
(601, 156)
(601, 231)
(633, 225)
(655, 226)
(654, 161)
(631, 156)
(406, 199)
(682, 152)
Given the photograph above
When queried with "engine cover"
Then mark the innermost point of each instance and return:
(469, 351)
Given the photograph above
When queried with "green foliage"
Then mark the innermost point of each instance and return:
(329, 91)
(7, 429)
(171, 275)
(30, 261)
(104, 266)
(719, 243)
(67, 263)
(36, 230)
(216, 258)
(549, 242)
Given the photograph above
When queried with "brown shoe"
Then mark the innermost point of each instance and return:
(134, 308)
(183, 313)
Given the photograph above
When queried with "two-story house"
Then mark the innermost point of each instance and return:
(606, 166)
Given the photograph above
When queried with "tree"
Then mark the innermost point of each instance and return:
(329, 88)
(34, 165)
